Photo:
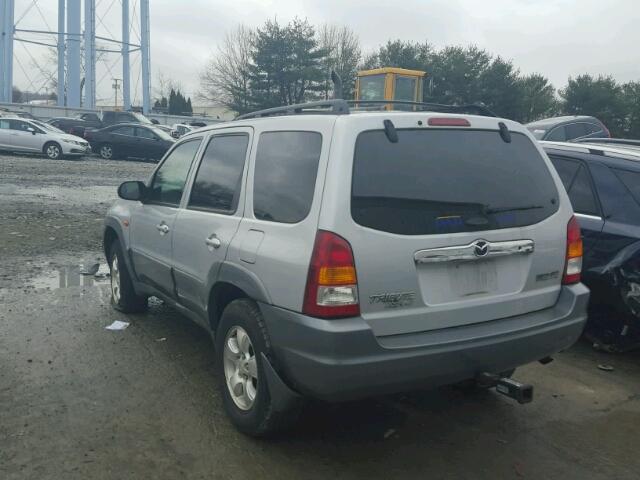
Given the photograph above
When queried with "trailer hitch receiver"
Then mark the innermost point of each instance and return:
(520, 392)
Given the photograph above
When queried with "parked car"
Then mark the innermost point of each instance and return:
(349, 254)
(180, 129)
(130, 140)
(24, 135)
(561, 129)
(87, 121)
(604, 187)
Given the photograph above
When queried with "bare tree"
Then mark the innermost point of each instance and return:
(343, 54)
(225, 80)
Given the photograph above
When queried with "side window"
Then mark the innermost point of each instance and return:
(581, 194)
(557, 135)
(631, 181)
(576, 130)
(592, 128)
(285, 175)
(168, 182)
(217, 184)
(145, 133)
(123, 131)
(18, 125)
(124, 117)
(566, 169)
(4, 125)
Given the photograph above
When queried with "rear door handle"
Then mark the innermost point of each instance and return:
(213, 241)
(163, 228)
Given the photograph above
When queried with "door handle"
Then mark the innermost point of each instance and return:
(163, 228)
(213, 241)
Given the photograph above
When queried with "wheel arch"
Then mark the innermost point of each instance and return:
(233, 282)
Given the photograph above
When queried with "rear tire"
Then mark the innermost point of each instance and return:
(244, 387)
(53, 151)
(123, 295)
(107, 151)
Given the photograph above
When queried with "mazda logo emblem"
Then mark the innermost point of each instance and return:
(481, 248)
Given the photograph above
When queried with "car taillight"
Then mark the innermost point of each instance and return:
(573, 262)
(448, 122)
(332, 286)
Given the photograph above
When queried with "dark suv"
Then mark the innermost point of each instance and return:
(604, 188)
(562, 129)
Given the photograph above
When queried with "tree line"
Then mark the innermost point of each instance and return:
(281, 64)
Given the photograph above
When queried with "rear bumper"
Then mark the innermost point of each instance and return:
(337, 360)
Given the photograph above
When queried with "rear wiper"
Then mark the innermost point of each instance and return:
(512, 209)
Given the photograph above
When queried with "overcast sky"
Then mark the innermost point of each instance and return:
(557, 38)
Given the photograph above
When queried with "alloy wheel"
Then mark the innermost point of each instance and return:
(115, 280)
(240, 368)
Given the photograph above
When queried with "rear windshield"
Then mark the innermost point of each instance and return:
(447, 181)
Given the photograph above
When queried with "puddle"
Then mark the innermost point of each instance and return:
(68, 277)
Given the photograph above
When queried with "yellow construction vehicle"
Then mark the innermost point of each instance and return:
(389, 83)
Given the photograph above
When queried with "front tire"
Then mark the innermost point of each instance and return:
(241, 339)
(107, 151)
(123, 295)
(53, 151)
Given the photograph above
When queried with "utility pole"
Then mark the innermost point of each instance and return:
(7, 13)
(61, 51)
(126, 74)
(90, 53)
(116, 87)
(145, 55)
(74, 26)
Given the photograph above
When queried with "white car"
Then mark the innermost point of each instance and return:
(23, 135)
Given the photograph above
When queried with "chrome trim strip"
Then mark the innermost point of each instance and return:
(584, 215)
(467, 253)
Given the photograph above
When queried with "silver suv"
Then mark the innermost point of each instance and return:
(340, 254)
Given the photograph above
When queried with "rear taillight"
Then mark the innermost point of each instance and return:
(573, 262)
(332, 286)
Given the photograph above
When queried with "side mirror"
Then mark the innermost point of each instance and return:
(32, 130)
(133, 190)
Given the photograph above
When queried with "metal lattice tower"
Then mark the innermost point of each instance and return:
(75, 45)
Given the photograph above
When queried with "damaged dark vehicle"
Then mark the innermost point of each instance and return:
(604, 188)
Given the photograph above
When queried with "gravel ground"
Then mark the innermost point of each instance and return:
(78, 401)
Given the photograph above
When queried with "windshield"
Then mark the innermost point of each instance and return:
(448, 181)
(141, 118)
(47, 126)
(537, 132)
(372, 87)
(162, 134)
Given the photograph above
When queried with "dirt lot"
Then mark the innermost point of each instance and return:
(78, 401)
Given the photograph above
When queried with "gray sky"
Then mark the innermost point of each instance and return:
(557, 38)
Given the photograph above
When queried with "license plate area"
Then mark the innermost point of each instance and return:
(473, 278)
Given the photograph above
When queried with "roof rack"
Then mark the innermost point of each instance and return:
(473, 109)
(342, 107)
(333, 107)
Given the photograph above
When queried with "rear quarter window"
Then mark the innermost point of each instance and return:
(286, 168)
(440, 181)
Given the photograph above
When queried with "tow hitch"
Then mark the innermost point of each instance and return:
(520, 392)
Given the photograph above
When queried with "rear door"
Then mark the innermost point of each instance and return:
(152, 221)
(124, 141)
(205, 228)
(22, 139)
(449, 226)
